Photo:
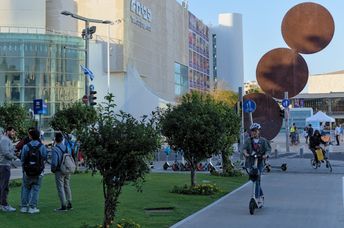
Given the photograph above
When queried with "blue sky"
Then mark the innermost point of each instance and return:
(262, 30)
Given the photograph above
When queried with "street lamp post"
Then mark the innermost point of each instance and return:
(108, 51)
(87, 36)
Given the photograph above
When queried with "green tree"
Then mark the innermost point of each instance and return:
(120, 147)
(231, 131)
(16, 116)
(231, 121)
(75, 118)
(227, 96)
(196, 127)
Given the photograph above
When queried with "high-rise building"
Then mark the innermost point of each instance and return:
(157, 51)
(33, 60)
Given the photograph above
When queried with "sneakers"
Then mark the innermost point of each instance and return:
(24, 210)
(33, 210)
(63, 208)
(8, 208)
(69, 206)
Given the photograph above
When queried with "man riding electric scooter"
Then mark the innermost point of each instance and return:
(256, 149)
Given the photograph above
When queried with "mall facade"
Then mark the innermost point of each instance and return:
(157, 51)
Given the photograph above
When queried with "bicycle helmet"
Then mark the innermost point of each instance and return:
(255, 126)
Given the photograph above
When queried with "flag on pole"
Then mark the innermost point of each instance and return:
(87, 72)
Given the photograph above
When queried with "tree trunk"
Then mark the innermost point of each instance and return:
(111, 193)
(226, 166)
(193, 175)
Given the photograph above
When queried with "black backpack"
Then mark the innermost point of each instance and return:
(33, 162)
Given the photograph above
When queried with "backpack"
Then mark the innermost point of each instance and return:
(33, 163)
(67, 165)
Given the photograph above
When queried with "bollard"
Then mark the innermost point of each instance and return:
(276, 153)
(301, 152)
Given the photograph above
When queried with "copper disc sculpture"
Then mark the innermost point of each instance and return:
(282, 70)
(266, 114)
(308, 28)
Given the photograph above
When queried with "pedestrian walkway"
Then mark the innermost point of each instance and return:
(17, 173)
(291, 200)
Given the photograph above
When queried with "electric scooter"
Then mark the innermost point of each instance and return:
(254, 176)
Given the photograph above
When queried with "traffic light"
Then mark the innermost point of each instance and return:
(92, 98)
(281, 112)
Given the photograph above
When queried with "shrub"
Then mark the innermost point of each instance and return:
(231, 173)
(123, 224)
(200, 189)
(15, 183)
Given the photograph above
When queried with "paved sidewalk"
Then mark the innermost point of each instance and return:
(291, 200)
(17, 173)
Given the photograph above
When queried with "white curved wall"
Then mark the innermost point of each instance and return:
(56, 21)
(22, 13)
(229, 41)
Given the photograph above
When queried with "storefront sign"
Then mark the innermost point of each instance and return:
(141, 10)
(143, 15)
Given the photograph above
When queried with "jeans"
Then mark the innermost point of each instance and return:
(5, 173)
(30, 190)
(259, 191)
(63, 188)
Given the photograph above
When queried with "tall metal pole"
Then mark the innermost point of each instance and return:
(108, 59)
(87, 51)
(240, 110)
(286, 116)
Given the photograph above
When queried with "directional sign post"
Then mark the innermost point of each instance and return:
(249, 106)
(38, 106)
(285, 103)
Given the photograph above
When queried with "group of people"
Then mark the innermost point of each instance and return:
(32, 153)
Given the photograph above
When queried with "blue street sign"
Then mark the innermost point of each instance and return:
(249, 106)
(91, 87)
(37, 106)
(285, 103)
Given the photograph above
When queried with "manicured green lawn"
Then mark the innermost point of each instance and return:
(88, 201)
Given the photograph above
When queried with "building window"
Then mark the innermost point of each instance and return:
(180, 79)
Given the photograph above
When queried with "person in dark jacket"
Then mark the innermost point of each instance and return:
(24, 141)
(314, 143)
(260, 146)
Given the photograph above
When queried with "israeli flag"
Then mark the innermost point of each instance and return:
(87, 72)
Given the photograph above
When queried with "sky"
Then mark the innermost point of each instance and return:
(262, 30)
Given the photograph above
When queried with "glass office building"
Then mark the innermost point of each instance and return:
(41, 66)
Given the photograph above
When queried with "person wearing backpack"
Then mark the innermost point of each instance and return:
(60, 165)
(33, 156)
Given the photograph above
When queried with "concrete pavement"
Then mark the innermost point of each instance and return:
(300, 197)
(291, 200)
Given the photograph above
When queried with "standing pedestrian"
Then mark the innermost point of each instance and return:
(7, 155)
(309, 132)
(62, 180)
(33, 156)
(337, 133)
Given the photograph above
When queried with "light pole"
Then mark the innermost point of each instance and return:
(108, 51)
(87, 35)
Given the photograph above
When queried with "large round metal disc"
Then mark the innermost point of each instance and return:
(267, 114)
(308, 28)
(282, 70)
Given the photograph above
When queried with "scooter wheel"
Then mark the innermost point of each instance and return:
(284, 167)
(314, 164)
(268, 168)
(252, 206)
